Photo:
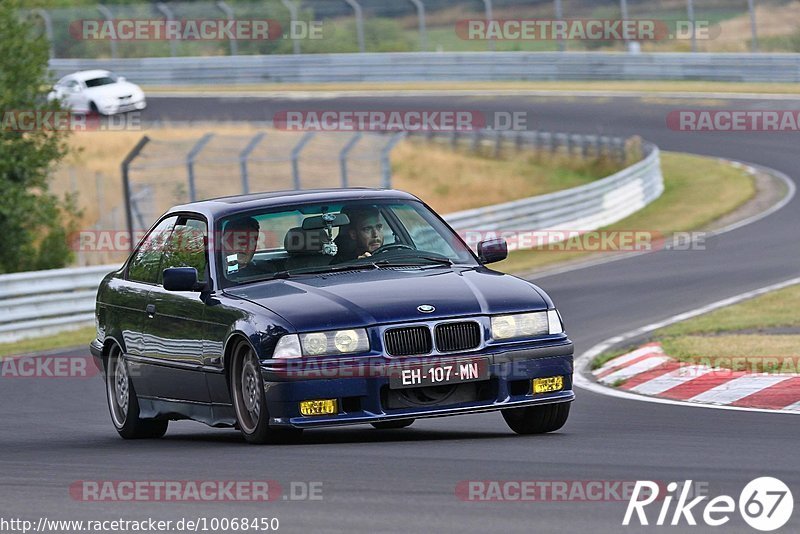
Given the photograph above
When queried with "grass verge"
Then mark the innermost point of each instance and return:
(72, 338)
(688, 182)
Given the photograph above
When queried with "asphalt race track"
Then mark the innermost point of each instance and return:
(56, 432)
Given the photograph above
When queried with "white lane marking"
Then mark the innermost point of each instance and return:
(738, 388)
(791, 190)
(667, 381)
(793, 407)
(625, 358)
(635, 369)
(583, 362)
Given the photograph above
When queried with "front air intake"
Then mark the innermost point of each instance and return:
(408, 341)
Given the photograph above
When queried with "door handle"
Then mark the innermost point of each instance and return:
(151, 310)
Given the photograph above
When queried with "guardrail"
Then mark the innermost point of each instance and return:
(38, 303)
(44, 302)
(445, 66)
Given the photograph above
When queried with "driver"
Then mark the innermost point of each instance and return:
(239, 242)
(362, 237)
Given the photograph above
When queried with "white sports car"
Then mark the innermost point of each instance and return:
(98, 91)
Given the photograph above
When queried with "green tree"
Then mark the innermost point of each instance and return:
(34, 223)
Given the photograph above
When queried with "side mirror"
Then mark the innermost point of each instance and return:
(181, 279)
(120, 79)
(492, 250)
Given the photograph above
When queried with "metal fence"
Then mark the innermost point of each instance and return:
(447, 66)
(41, 303)
(373, 25)
(159, 174)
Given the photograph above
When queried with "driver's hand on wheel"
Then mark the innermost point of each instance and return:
(364, 255)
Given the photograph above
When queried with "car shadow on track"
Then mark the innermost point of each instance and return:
(356, 435)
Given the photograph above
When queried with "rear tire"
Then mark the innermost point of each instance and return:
(537, 419)
(123, 404)
(393, 425)
(247, 387)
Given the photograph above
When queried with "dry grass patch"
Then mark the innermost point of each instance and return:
(453, 180)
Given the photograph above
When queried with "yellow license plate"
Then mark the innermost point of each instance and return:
(546, 385)
(318, 407)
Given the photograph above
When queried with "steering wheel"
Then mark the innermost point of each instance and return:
(390, 246)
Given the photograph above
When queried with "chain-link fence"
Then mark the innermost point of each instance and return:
(329, 26)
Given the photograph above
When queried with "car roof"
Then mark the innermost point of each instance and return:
(84, 75)
(223, 206)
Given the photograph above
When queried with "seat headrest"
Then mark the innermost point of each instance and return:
(299, 241)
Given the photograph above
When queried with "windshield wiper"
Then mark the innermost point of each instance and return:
(409, 262)
(333, 269)
(405, 262)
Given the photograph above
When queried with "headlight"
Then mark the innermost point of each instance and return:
(288, 347)
(554, 320)
(521, 325)
(334, 342)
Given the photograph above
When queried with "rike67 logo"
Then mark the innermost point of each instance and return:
(765, 504)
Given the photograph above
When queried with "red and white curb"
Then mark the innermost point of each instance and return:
(648, 371)
(583, 378)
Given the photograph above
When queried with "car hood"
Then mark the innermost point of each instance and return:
(382, 296)
(113, 90)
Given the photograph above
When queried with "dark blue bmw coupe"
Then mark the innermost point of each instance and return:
(281, 311)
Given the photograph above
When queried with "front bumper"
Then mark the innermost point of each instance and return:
(123, 106)
(363, 397)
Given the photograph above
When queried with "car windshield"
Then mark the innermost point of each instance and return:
(328, 237)
(103, 80)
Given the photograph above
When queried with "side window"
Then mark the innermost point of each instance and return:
(187, 247)
(146, 261)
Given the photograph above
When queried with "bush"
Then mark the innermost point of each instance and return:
(34, 223)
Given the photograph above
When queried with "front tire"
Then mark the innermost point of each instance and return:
(537, 419)
(247, 387)
(123, 404)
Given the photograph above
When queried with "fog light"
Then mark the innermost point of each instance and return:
(318, 407)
